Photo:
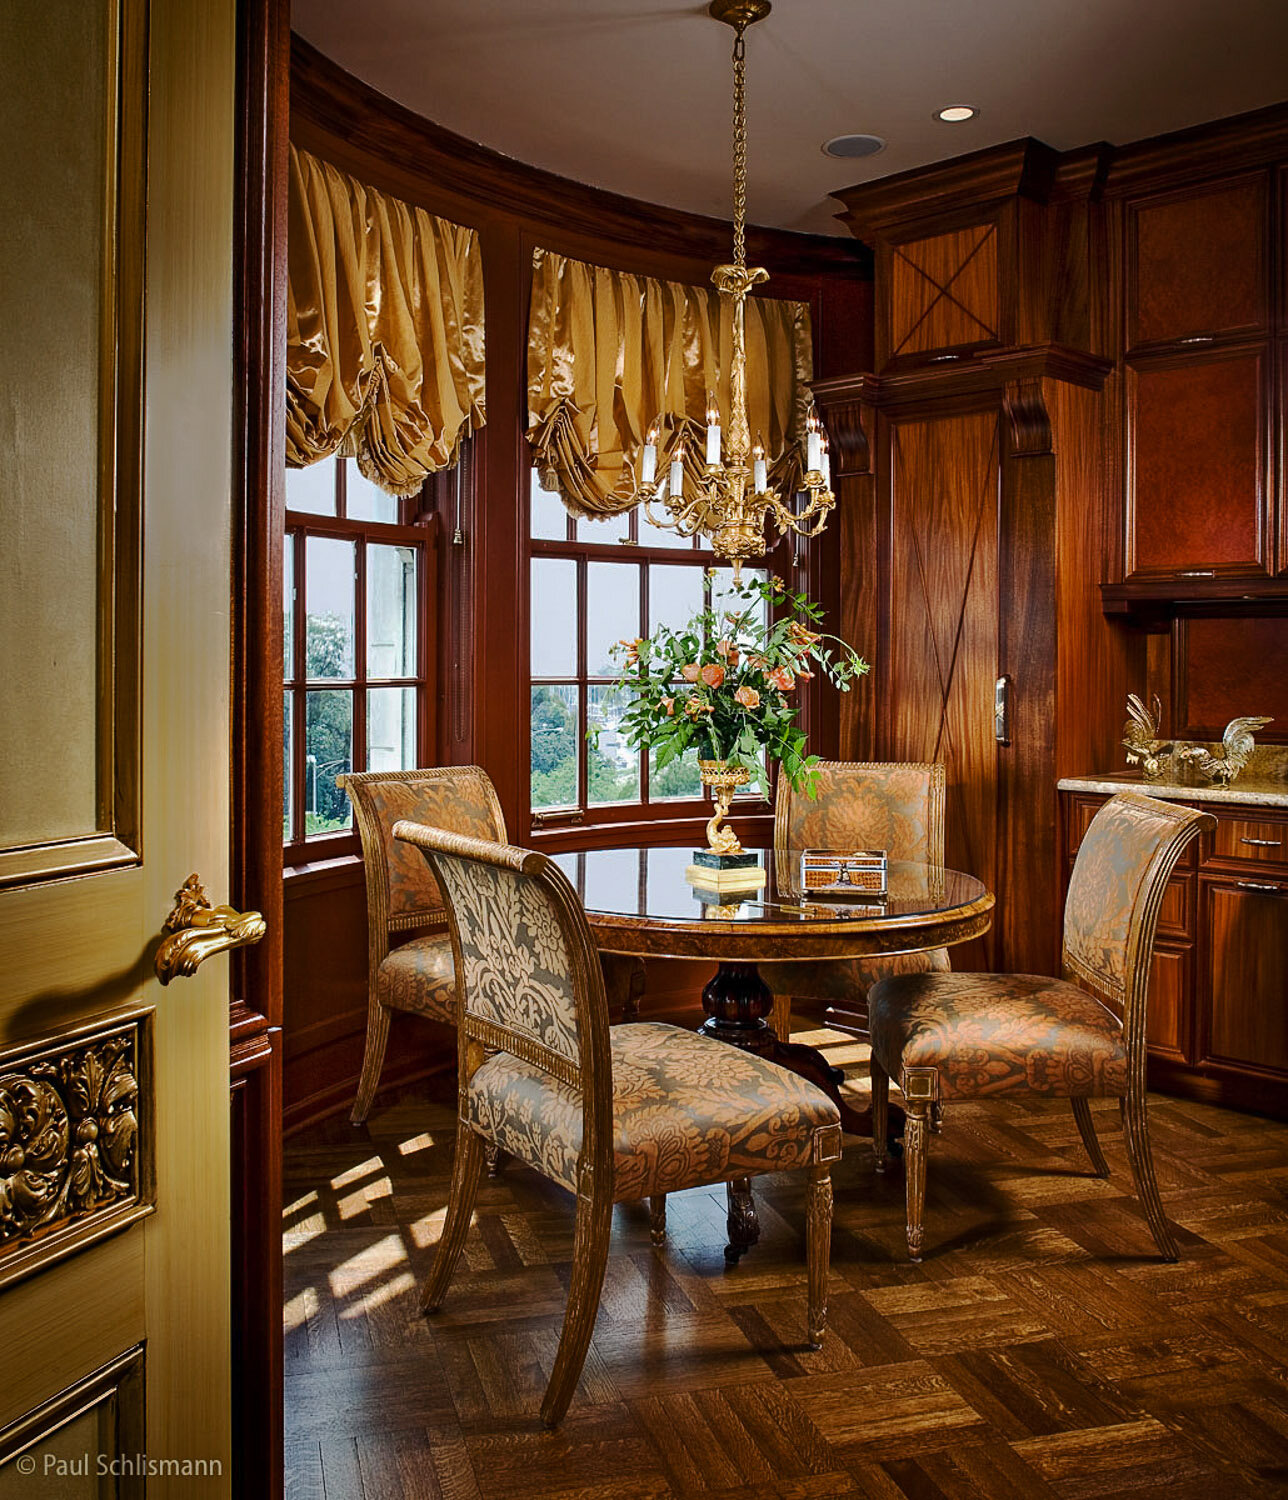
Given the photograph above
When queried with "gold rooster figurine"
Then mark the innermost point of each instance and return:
(1140, 737)
(1237, 745)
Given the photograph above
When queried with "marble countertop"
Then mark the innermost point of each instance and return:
(1250, 791)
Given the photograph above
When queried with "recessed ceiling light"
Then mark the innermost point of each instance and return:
(853, 145)
(956, 114)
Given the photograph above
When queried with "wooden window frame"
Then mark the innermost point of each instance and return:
(413, 529)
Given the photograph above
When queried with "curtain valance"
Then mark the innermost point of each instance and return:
(610, 352)
(385, 338)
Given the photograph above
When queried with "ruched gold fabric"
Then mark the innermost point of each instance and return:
(684, 1113)
(999, 1033)
(385, 329)
(610, 352)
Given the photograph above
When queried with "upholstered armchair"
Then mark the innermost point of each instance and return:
(636, 1111)
(994, 1036)
(895, 806)
(417, 976)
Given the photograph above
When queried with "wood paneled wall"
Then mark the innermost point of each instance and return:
(481, 690)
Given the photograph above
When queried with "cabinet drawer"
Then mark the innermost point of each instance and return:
(1251, 840)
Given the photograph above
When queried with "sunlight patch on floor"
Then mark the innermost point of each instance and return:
(355, 1174)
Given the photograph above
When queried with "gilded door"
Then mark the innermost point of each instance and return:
(115, 431)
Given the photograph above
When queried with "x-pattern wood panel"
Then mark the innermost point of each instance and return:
(943, 291)
(1039, 1351)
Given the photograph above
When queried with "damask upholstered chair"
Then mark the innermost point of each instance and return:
(402, 897)
(993, 1036)
(636, 1111)
(898, 807)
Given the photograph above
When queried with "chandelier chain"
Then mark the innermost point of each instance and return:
(739, 149)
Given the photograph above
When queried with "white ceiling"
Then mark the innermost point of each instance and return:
(635, 96)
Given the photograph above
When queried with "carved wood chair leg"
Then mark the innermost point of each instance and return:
(589, 1258)
(657, 1219)
(936, 1118)
(373, 1059)
(818, 1250)
(880, 1110)
(496, 1160)
(1087, 1130)
(467, 1167)
(915, 1132)
(780, 1017)
(1136, 1136)
(741, 1221)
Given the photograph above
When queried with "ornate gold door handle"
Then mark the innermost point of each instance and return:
(195, 930)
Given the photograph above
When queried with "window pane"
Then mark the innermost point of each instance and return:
(549, 519)
(674, 595)
(657, 536)
(312, 489)
(364, 501)
(613, 768)
(328, 753)
(612, 613)
(554, 617)
(329, 570)
(391, 729)
(288, 606)
(610, 532)
(724, 599)
(554, 746)
(391, 612)
(288, 788)
(679, 778)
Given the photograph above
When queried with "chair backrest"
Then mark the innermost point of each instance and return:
(401, 890)
(1111, 914)
(528, 976)
(890, 805)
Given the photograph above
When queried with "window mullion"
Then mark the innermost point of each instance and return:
(358, 753)
(583, 687)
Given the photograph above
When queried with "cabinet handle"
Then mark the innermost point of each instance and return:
(1197, 573)
(1198, 338)
(1257, 885)
(1263, 843)
(1002, 710)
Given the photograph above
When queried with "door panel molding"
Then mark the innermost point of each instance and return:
(77, 1159)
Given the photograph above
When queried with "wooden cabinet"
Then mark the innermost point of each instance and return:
(1218, 997)
(1199, 420)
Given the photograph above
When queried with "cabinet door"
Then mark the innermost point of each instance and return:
(1245, 958)
(1169, 1021)
(1197, 447)
(941, 661)
(943, 295)
(1197, 263)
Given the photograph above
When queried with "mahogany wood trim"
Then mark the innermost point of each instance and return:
(1210, 150)
(983, 374)
(900, 205)
(1160, 597)
(324, 94)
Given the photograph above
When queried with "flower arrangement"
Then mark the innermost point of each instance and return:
(723, 683)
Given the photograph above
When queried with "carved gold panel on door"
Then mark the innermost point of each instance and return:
(76, 1148)
(943, 291)
(71, 281)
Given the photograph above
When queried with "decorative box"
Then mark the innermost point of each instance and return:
(844, 872)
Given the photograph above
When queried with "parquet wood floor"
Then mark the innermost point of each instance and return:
(1039, 1351)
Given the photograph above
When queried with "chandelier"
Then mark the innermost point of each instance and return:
(732, 502)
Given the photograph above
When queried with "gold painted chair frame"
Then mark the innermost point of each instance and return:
(591, 1077)
(1125, 996)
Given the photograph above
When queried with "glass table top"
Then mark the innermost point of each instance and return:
(648, 884)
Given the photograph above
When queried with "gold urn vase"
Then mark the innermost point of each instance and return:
(724, 780)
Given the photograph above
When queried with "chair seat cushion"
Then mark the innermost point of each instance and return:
(686, 1111)
(988, 1034)
(848, 979)
(420, 977)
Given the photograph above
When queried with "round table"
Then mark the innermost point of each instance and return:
(639, 902)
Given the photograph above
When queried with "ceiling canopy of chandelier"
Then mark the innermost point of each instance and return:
(733, 503)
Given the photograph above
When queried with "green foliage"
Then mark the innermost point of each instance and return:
(328, 725)
(722, 684)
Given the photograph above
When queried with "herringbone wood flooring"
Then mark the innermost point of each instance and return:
(1040, 1350)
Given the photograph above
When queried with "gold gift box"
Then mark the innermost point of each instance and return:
(835, 872)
